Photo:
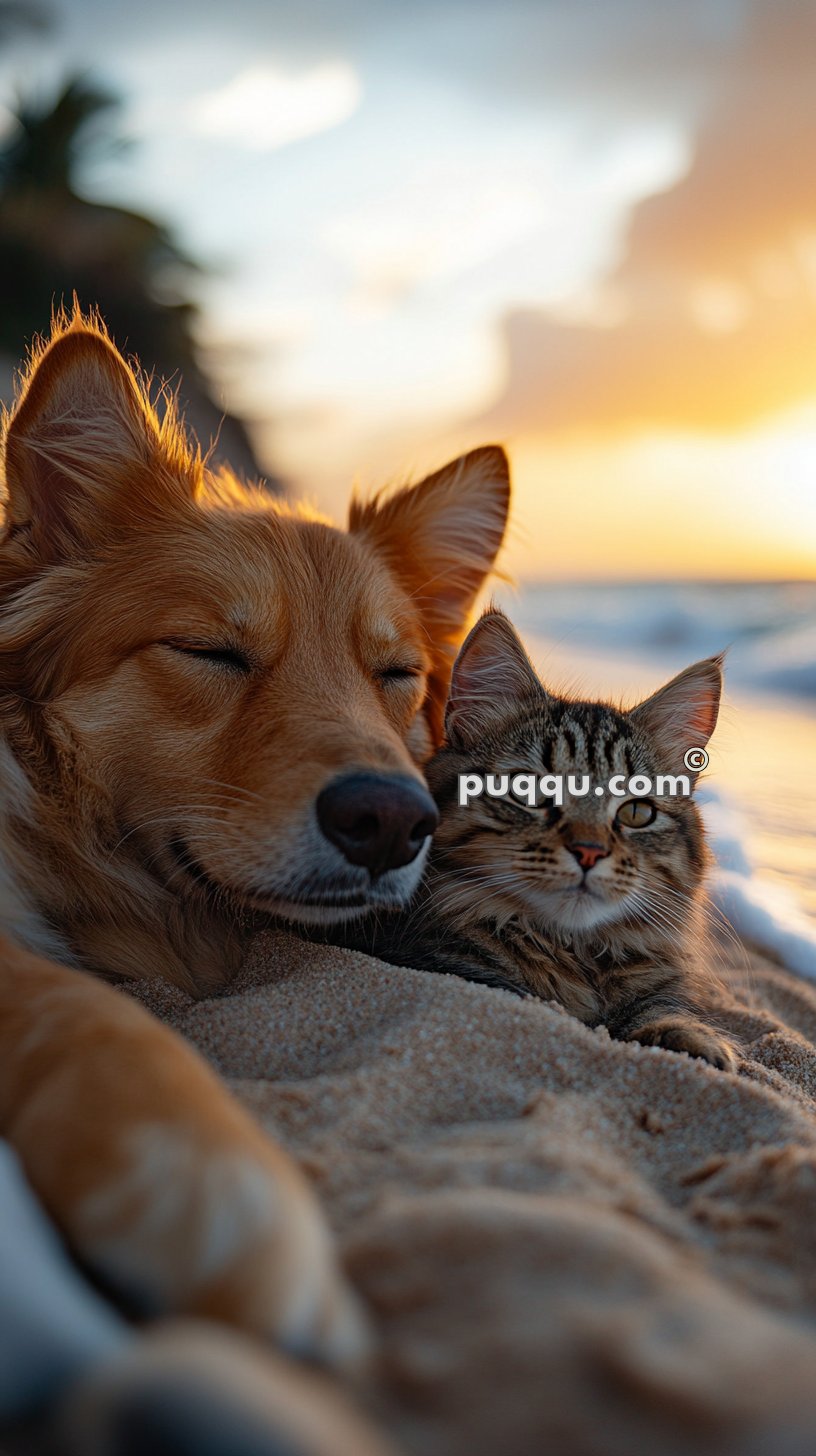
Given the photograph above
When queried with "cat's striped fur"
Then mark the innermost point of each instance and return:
(568, 904)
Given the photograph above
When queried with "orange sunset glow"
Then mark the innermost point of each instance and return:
(586, 230)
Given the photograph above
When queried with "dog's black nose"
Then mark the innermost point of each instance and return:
(376, 820)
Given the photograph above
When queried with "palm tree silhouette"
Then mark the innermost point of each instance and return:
(54, 244)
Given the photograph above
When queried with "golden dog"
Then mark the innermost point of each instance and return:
(214, 708)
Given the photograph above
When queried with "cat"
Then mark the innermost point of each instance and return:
(597, 903)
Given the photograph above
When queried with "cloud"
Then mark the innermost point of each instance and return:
(265, 106)
(709, 320)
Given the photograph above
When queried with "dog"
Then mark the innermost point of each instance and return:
(215, 708)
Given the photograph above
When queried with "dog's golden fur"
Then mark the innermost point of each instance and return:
(184, 664)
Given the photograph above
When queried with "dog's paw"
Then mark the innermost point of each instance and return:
(225, 1229)
(681, 1034)
(160, 1182)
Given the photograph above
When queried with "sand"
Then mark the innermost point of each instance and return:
(568, 1245)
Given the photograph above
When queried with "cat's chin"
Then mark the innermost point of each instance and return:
(577, 910)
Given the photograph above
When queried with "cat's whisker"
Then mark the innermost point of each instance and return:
(715, 920)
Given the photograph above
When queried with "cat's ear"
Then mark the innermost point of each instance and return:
(682, 716)
(491, 674)
(85, 453)
(440, 539)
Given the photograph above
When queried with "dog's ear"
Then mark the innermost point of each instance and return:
(440, 538)
(85, 453)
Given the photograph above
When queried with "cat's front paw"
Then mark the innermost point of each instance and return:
(684, 1034)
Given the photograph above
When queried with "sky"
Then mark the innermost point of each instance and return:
(586, 228)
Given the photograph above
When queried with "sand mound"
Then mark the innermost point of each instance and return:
(568, 1244)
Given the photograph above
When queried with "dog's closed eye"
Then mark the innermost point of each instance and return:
(217, 654)
(397, 672)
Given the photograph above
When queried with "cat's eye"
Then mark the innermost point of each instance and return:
(636, 813)
(217, 654)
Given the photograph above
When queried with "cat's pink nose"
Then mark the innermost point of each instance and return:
(588, 855)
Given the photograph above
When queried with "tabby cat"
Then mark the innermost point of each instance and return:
(596, 904)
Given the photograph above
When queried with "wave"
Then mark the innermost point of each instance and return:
(762, 912)
(769, 628)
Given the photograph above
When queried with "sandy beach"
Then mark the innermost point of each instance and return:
(565, 1243)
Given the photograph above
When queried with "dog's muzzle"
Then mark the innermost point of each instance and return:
(378, 821)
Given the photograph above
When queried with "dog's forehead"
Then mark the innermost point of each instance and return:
(279, 566)
(354, 589)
